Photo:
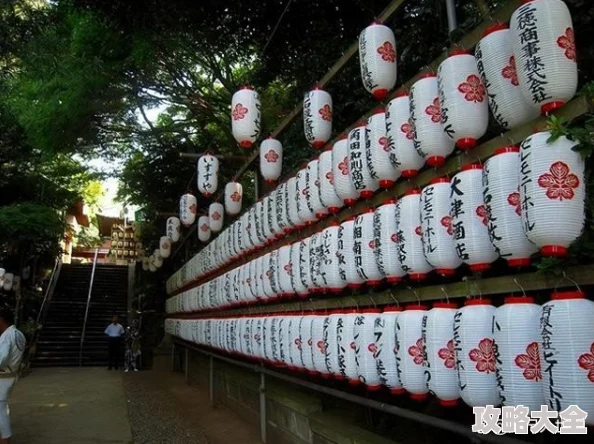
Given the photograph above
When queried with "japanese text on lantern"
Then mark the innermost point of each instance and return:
(456, 210)
(308, 118)
(488, 199)
(525, 180)
(549, 356)
(356, 159)
(428, 219)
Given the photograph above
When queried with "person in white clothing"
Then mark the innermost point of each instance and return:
(114, 331)
(12, 349)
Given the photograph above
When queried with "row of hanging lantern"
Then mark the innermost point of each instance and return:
(521, 201)
(520, 353)
(8, 281)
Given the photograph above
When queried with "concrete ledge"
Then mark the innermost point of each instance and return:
(334, 428)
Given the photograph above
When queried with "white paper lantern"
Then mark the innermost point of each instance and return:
(145, 264)
(233, 198)
(271, 159)
(385, 356)
(8, 281)
(567, 352)
(332, 347)
(328, 195)
(400, 135)
(377, 57)
(497, 65)
(470, 219)
(410, 237)
(317, 117)
(386, 250)
(552, 192)
(215, 216)
(313, 184)
(293, 201)
(173, 228)
(208, 175)
(347, 360)
(359, 170)
(475, 353)
(304, 265)
(152, 266)
(546, 56)
(378, 152)
(441, 355)
(304, 206)
(204, 228)
(364, 249)
(430, 141)
(463, 99)
(501, 194)
(306, 344)
(296, 281)
(411, 351)
(285, 271)
(246, 116)
(187, 209)
(295, 343)
(516, 332)
(343, 184)
(330, 263)
(165, 246)
(436, 225)
(346, 254)
(319, 345)
(366, 348)
(157, 261)
(316, 246)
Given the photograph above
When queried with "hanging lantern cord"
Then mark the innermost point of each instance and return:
(394, 298)
(443, 290)
(570, 280)
(521, 288)
(416, 294)
(355, 301)
(373, 301)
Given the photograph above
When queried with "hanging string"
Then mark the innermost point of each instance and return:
(276, 26)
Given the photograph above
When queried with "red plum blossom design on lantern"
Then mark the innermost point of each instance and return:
(387, 52)
(448, 354)
(559, 182)
(408, 130)
(216, 215)
(236, 197)
(567, 42)
(289, 269)
(416, 351)
(446, 222)
(271, 156)
(239, 112)
(514, 200)
(510, 72)
(298, 343)
(484, 356)
(373, 349)
(322, 347)
(434, 111)
(372, 244)
(330, 177)
(344, 166)
(383, 142)
(586, 361)
(481, 211)
(394, 238)
(193, 208)
(473, 89)
(204, 227)
(326, 113)
(530, 362)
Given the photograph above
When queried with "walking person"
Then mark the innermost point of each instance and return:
(114, 331)
(12, 349)
(132, 347)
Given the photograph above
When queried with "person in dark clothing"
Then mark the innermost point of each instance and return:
(114, 331)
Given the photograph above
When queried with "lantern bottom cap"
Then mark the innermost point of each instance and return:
(246, 144)
(354, 382)
(550, 107)
(419, 396)
(448, 402)
(333, 210)
(339, 377)
(553, 250)
(446, 271)
(366, 194)
(394, 279)
(270, 181)
(380, 94)
(355, 285)
(374, 283)
(417, 276)
(519, 262)
(480, 267)
(318, 144)
(398, 391)
(326, 375)
(466, 143)
(313, 373)
(350, 202)
(435, 161)
(386, 184)
(335, 290)
(409, 173)
(320, 216)
(373, 388)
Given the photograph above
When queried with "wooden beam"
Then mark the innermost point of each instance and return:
(196, 156)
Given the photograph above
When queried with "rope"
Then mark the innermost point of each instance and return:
(276, 26)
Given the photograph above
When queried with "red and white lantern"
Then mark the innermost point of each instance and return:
(245, 116)
(173, 228)
(343, 184)
(331, 339)
(306, 344)
(271, 159)
(567, 352)
(346, 254)
(295, 343)
(516, 332)
(501, 194)
(318, 344)
(385, 357)
(317, 117)
(438, 336)
(165, 246)
(233, 198)
(313, 184)
(305, 265)
(377, 57)
(331, 267)
(215, 216)
(475, 353)
(411, 351)
(208, 175)
(400, 135)
(437, 229)
(496, 64)
(285, 271)
(552, 192)
(293, 203)
(204, 228)
(378, 152)
(347, 359)
(296, 281)
(360, 173)
(304, 205)
(470, 219)
(366, 348)
(386, 250)
(410, 236)
(546, 56)
(328, 195)
(364, 248)
(431, 142)
(187, 209)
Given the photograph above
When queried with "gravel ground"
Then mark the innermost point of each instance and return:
(156, 415)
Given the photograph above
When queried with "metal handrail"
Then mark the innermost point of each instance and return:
(49, 291)
(82, 336)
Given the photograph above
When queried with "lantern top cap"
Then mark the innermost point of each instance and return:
(519, 300)
(401, 94)
(445, 305)
(472, 166)
(360, 123)
(494, 28)
(564, 295)
(333, 223)
(345, 311)
(343, 137)
(416, 306)
(427, 75)
(457, 52)
(367, 211)
(440, 180)
(376, 22)
(378, 111)
(251, 88)
(350, 219)
(507, 149)
(390, 200)
(370, 310)
(471, 302)
(412, 191)
(392, 309)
